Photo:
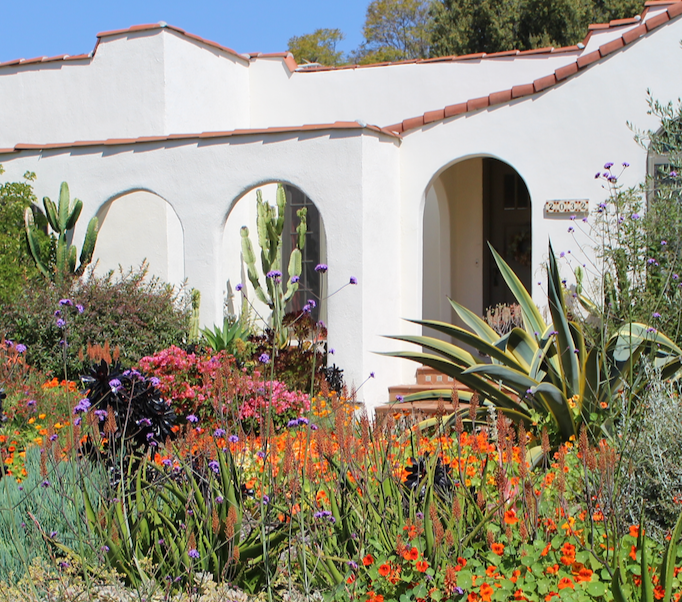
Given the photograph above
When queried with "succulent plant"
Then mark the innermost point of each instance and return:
(62, 219)
(141, 415)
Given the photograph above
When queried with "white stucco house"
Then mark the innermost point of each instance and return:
(409, 167)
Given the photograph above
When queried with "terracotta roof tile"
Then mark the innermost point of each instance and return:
(453, 110)
(659, 19)
(566, 71)
(501, 54)
(470, 57)
(523, 90)
(478, 103)
(630, 21)
(594, 26)
(545, 50)
(497, 98)
(544, 82)
(415, 122)
(674, 10)
(611, 46)
(634, 34)
(346, 125)
(396, 128)
(588, 59)
(432, 116)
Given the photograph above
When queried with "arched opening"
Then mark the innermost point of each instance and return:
(469, 204)
(141, 226)
(311, 283)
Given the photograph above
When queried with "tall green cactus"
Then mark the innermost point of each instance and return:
(270, 224)
(62, 219)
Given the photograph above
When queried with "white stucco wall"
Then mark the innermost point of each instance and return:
(370, 188)
(138, 227)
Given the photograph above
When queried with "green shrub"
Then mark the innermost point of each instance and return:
(16, 262)
(139, 315)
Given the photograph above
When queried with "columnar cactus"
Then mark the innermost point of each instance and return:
(270, 224)
(62, 219)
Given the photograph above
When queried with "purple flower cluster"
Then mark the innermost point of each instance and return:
(325, 514)
(82, 406)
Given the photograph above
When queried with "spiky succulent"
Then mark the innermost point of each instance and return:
(417, 477)
(141, 415)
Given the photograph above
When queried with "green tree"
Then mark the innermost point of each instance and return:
(317, 47)
(394, 30)
(16, 263)
(472, 26)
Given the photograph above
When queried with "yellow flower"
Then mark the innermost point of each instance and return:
(58, 425)
(42, 416)
(31, 420)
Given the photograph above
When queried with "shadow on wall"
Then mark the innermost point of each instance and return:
(141, 226)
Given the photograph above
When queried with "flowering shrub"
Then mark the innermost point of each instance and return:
(210, 386)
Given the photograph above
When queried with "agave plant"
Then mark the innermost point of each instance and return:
(223, 339)
(543, 372)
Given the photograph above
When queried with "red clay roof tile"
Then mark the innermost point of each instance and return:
(544, 82)
(523, 90)
(634, 34)
(431, 116)
(611, 46)
(659, 19)
(674, 10)
(566, 71)
(478, 103)
(453, 110)
(630, 21)
(414, 122)
(588, 59)
(497, 98)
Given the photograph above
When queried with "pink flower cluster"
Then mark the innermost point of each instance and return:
(257, 394)
(196, 384)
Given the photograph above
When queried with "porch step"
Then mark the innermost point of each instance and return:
(428, 379)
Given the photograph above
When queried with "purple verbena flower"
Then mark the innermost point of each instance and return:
(214, 466)
(264, 358)
(353, 280)
(20, 348)
(80, 308)
(193, 553)
(60, 323)
(192, 418)
(233, 439)
(219, 432)
(239, 287)
(295, 279)
(66, 302)
(275, 274)
(321, 268)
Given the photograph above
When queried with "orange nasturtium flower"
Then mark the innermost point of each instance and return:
(411, 554)
(498, 548)
(510, 517)
(384, 570)
(518, 595)
(566, 582)
(634, 530)
(367, 560)
(486, 592)
(421, 566)
(633, 553)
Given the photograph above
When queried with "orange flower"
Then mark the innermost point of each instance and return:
(552, 570)
(515, 576)
(546, 550)
(486, 592)
(584, 575)
(633, 553)
(491, 571)
(498, 548)
(549, 596)
(566, 582)
(461, 561)
(659, 592)
(384, 570)
(472, 597)
(421, 566)
(411, 554)
(510, 517)
(367, 560)
(518, 595)
(634, 531)
(351, 578)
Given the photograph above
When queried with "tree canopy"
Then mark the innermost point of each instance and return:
(397, 30)
(472, 26)
(317, 47)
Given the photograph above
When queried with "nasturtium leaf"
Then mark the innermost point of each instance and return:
(596, 588)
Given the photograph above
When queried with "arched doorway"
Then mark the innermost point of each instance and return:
(471, 203)
(311, 283)
(140, 226)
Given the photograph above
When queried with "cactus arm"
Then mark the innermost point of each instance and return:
(62, 253)
(75, 214)
(51, 212)
(281, 205)
(302, 227)
(295, 267)
(63, 207)
(194, 317)
(33, 243)
(250, 260)
(88, 245)
(71, 259)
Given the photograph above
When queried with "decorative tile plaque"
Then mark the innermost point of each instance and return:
(570, 206)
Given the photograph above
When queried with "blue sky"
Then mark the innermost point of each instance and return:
(49, 27)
